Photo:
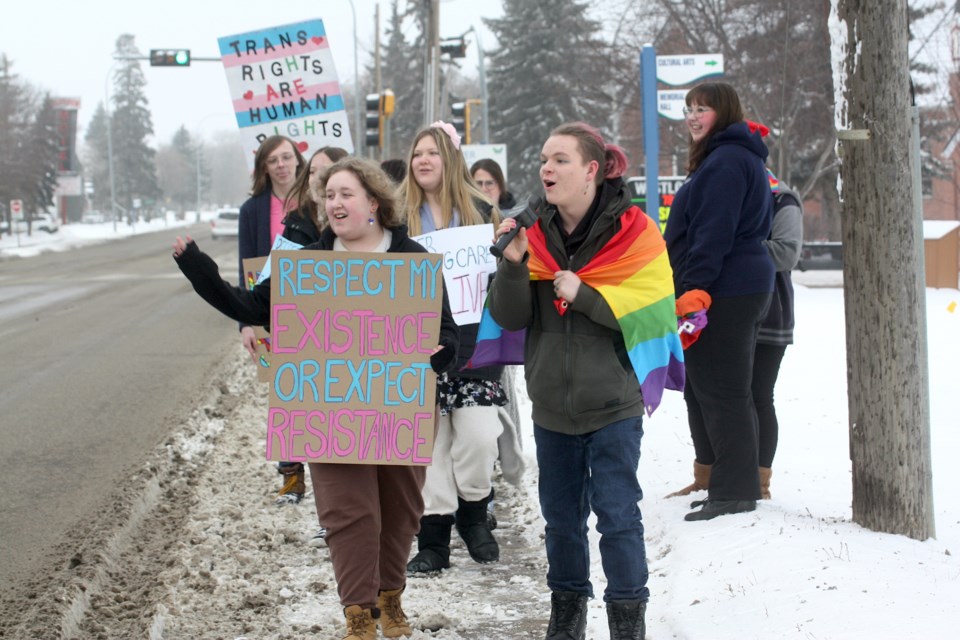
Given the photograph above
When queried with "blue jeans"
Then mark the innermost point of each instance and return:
(595, 471)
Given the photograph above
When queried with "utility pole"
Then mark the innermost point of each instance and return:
(883, 276)
(481, 70)
(431, 94)
(378, 80)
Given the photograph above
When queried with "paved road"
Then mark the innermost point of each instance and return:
(105, 348)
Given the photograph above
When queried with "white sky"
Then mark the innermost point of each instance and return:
(66, 47)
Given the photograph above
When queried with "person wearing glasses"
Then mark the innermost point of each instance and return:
(276, 167)
(489, 177)
(723, 276)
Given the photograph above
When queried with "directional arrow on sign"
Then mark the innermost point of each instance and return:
(681, 70)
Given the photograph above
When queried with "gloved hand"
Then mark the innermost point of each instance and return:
(690, 326)
(693, 301)
(692, 309)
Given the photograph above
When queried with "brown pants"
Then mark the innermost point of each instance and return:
(371, 513)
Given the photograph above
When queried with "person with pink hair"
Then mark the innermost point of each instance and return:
(588, 386)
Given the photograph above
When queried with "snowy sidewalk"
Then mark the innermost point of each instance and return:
(242, 566)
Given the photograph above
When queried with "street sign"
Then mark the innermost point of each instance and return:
(16, 209)
(679, 70)
(670, 103)
(667, 187)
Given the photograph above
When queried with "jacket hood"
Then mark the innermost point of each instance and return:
(741, 134)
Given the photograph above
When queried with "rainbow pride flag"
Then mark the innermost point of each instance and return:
(633, 274)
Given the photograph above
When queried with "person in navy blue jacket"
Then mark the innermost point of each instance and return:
(723, 275)
(276, 167)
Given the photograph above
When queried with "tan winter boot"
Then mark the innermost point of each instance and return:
(293, 484)
(765, 473)
(393, 621)
(701, 480)
(361, 623)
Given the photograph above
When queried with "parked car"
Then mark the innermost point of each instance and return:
(37, 222)
(93, 217)
(225, 224)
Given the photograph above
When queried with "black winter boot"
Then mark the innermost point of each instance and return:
(710, 508)
(626, 619)
(474, 529)
(568, 616)
(433, 545)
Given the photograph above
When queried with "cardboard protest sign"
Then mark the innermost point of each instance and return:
(352, 338)
(283, 82)
(467, 266)
(252, 270)
(255, 271)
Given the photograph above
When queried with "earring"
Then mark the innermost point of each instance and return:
(370, 220)
(585, 187)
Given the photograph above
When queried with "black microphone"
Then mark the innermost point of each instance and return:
(525, 214)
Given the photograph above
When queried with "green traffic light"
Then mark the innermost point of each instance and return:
(182, 57)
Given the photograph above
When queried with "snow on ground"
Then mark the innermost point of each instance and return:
(798, 567)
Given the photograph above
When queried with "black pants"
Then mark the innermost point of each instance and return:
(720, 410)
(766, 368)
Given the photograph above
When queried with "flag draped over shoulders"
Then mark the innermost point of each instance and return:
(632, 273)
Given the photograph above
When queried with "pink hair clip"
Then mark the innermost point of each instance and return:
(448, 129)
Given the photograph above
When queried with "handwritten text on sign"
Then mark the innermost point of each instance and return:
(467, 265)
(352, 335)
(283, 82)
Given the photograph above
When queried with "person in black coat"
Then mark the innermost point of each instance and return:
(371, 512)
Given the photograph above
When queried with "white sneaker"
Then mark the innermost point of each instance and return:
(318, 539)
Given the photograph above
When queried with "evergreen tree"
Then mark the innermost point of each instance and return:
(42, 157)
(551, 67)
(15, 109)
(177, 171)
(402, 71)
(134, 169)
(95, 161)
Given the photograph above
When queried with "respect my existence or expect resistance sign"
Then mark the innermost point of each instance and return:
(351, 336)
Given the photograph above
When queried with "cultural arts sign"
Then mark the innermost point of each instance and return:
(352, 335)
(283, 82)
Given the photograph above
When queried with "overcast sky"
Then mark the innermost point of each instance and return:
(66, 46)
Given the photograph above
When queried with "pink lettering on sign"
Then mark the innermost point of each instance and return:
(336, 331)
(347, 435)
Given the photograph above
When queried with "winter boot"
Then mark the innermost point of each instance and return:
(474, 529)
(433, 545)
(361, 623)
(765, 473)
(293, 485)
(393, 621)
(626, 619)
(710, 509)
(568, 616)
(491, 516)
(701, 480)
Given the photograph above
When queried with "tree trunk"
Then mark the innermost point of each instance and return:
(884, 292)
